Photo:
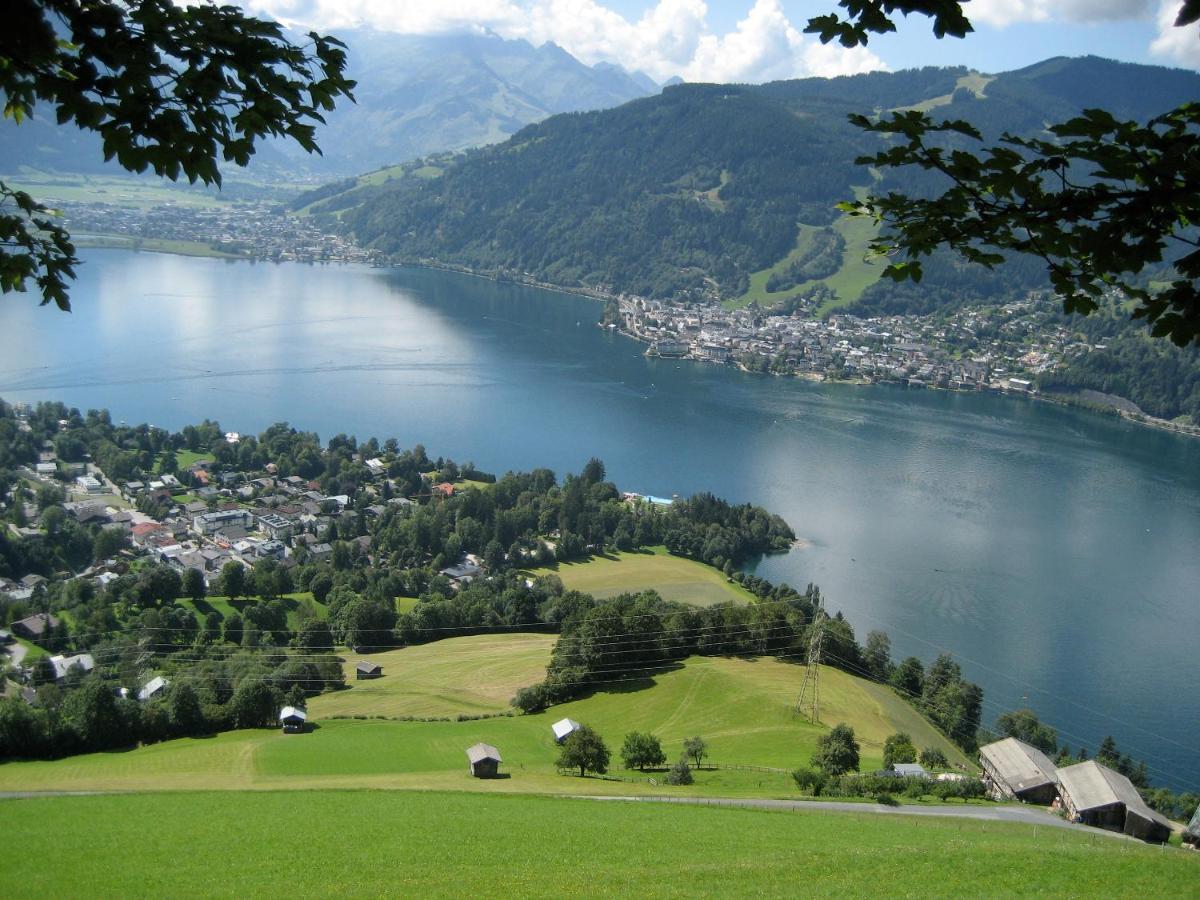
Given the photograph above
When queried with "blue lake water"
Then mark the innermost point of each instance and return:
(1052, 550)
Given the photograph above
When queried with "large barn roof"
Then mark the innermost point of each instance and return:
(1092, 786)
(481, 751)
(1021, 765)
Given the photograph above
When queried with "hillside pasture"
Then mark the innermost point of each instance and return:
(742, 707)
(675, 578)
(465, 675)
(437, 844)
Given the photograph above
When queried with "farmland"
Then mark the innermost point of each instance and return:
(675, 578)
(743, 709)
(435, 844)
(456, 676)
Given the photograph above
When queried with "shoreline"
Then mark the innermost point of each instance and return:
(1065, 400)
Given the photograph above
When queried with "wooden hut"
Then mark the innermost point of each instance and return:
(484, 760)
(1015, 770)
(1096, 795)
(293, 719)
(366, 670)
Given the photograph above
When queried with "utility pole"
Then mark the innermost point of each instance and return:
(809, 702)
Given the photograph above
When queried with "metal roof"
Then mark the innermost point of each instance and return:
(1093, 786)
(1022, 766)
(910, 770)
(481, 751)
(155, 684)
(563, 727)
(366, 666)
(63, 664)
(292, 712)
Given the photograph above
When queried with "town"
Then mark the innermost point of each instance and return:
(245, 230)
(1004, 348)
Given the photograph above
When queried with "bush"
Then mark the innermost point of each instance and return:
(681, 772)
(531, 699)
(810, 781)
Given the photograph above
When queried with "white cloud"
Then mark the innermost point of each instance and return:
(671, 38)
(1180, 45)
(1000, 13)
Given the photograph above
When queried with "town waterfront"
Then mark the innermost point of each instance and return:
(1052, 550)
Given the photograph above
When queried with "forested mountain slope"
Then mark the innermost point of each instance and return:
(701, 186)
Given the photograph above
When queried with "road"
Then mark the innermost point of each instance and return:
(1027, 815)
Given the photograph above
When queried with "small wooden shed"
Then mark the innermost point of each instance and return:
(293, 719)
(484, 760)
(366, 670)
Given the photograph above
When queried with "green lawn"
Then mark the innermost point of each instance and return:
(352, 843)
(675, 578)
(466, 675)
(226, 607)
(742, 708)
(185, 459)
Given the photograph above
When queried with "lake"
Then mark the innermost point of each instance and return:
(1053, 551)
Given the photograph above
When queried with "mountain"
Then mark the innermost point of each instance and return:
(702, 186)
(416, 95)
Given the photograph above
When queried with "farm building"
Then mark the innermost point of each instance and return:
(366, 670)
(910, 770)
(1191, 834)
(82, 663)
(484, 760)
(1015, 770)
(153, 688)
(564, 727)
(34, 627)
(293, 719)
(1096, 795)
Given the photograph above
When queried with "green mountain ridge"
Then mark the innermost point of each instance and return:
(706, 185)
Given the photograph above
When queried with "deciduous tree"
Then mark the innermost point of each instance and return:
(837, 751)
(171, 88)
(641, 750)
(584, 750)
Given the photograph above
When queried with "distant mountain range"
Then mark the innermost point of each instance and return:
(416, 95)
(708, 189)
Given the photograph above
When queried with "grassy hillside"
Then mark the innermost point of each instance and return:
(467, 675)
(743, 708)
(675, 578)
(456, 845)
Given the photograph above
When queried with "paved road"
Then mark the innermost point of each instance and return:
(1028, 815)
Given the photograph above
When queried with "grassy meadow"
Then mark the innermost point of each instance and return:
(742, 708)
(675, 578)
(364, 843)
(464, 675)
(855, 275)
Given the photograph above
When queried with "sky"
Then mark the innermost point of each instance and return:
(763, 40)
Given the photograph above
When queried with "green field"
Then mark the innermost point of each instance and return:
(675, 578)
(743, 708)
(466, 675)
(142, 192)
(352, 843)
(225, 607)
(855, 276)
